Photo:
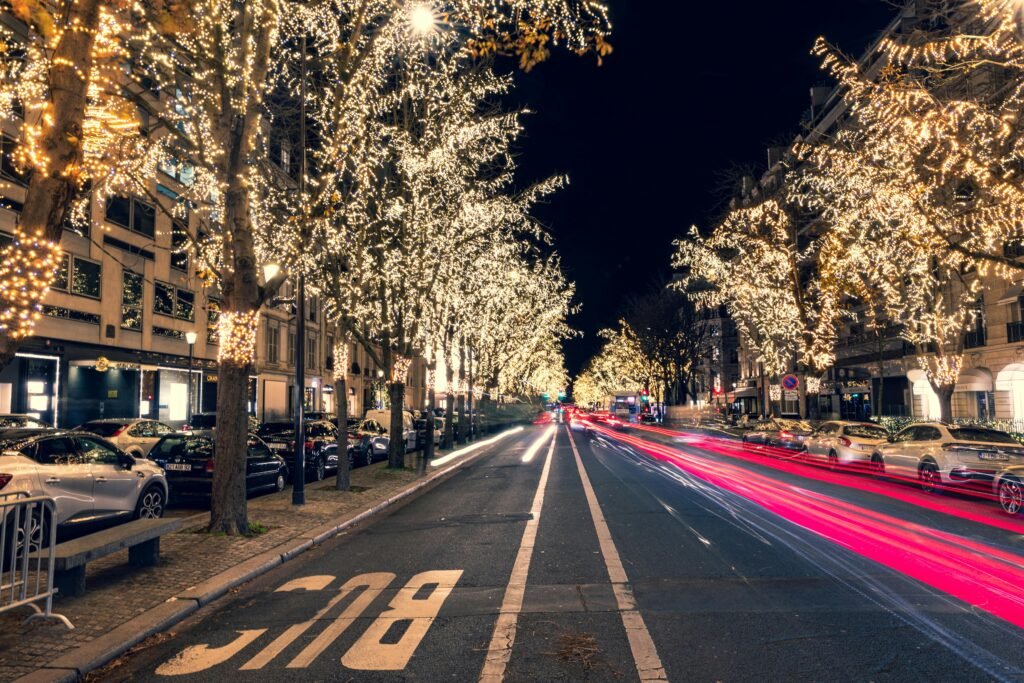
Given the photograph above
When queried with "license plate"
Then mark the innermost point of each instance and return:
(278, 446)
(178, 466)
(992, 456)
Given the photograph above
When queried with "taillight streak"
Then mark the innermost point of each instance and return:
(978, 574)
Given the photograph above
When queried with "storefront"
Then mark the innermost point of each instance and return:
(31, 384)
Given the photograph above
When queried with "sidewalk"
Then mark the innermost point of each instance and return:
(195, 567)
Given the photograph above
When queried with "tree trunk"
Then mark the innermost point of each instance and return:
(449, 404)
(49, 195)
(428, 446)
(461, 410)
(396, 430)
(945, 394)
(228, 513)
(341, 409)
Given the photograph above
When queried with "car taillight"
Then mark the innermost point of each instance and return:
(209, 466)
(843, 441)
(5, 479)
(120, 431)
(786, 435)
(309, 445)
(186, 428)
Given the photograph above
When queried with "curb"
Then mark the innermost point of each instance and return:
(77, 662)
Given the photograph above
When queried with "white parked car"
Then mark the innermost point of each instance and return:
(90, 480)
(134, 436)
(383, 419)
(845, 443)
(939, 456)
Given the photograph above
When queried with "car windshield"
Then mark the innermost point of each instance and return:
(180, 445)
(980, 434)
(203, 421)
(318, 429)
(275, 428)
(866, 432)
(102, 428)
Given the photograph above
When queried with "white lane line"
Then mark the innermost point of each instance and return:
(500, 650)
(645, 655)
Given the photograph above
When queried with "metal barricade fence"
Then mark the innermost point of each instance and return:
(28, 540)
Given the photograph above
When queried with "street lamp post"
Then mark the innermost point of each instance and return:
(190, 337)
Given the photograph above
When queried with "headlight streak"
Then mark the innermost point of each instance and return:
(804, 536)
(976, 573)
(531, 452)
(469, 449)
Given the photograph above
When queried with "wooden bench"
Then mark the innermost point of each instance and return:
(141, 537)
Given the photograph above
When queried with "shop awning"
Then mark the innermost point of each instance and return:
(974, 379)
(745, 392)
(1011, 294)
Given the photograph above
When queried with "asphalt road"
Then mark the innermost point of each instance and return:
(679, 559)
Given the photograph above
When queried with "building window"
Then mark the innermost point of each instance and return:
(213, 322)
(69, 314)
(131, 301)
(273, 336)
(179, 246)
(134, 214)
(174, 302)
(168, 333)
(8, 150)
(311, 352)
(183, 172)
(76, 275)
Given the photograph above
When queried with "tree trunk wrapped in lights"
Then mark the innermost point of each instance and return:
(341, 367)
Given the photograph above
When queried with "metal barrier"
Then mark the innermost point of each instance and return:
(28, 539)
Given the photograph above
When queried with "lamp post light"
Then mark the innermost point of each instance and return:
(190, 337)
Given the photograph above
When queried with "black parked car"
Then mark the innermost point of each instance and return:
(321, 445)
(189, 461)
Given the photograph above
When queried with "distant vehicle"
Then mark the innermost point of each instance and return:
(939, 456)
(845, 443)
(91, 481)
(321, 451)
(135, 436)
(647, 419)
(189, 461)
(779, 432)
(20, 421)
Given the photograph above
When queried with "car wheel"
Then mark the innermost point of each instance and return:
(321, 470)
(833, 461)
(369, 457)
(1011, 495)
(928, 477)
(151, 504)
(877, 465)
(35, 528)
(280, 480)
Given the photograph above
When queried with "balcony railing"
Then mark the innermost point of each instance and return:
(1014, 332)
(973, 340)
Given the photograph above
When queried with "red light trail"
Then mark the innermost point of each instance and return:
(978, 574)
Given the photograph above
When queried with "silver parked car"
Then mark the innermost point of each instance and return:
(939, 456)
(845, 443)
(90, 480)
(135, 436)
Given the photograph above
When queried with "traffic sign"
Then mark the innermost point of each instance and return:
(790, 382)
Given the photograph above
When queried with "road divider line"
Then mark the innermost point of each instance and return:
(645, 654)
(500, 650)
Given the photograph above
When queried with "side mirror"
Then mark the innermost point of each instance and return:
(127, 461)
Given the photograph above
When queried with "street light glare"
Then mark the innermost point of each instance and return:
(422, 19)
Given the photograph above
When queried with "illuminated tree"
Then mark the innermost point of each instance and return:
(62, 81)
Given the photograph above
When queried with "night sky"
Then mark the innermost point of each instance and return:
(691, 91)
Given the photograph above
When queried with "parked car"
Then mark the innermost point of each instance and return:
(383, 418)
(421, 431)
(780, 433)
(1009, 489)
(134, 436)
(845, 443)
(20, 421)
(321, 416)
(376, 436)
(92, 482)
(321, 451)
(205, 423)
(938, 455)
(189, 461)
